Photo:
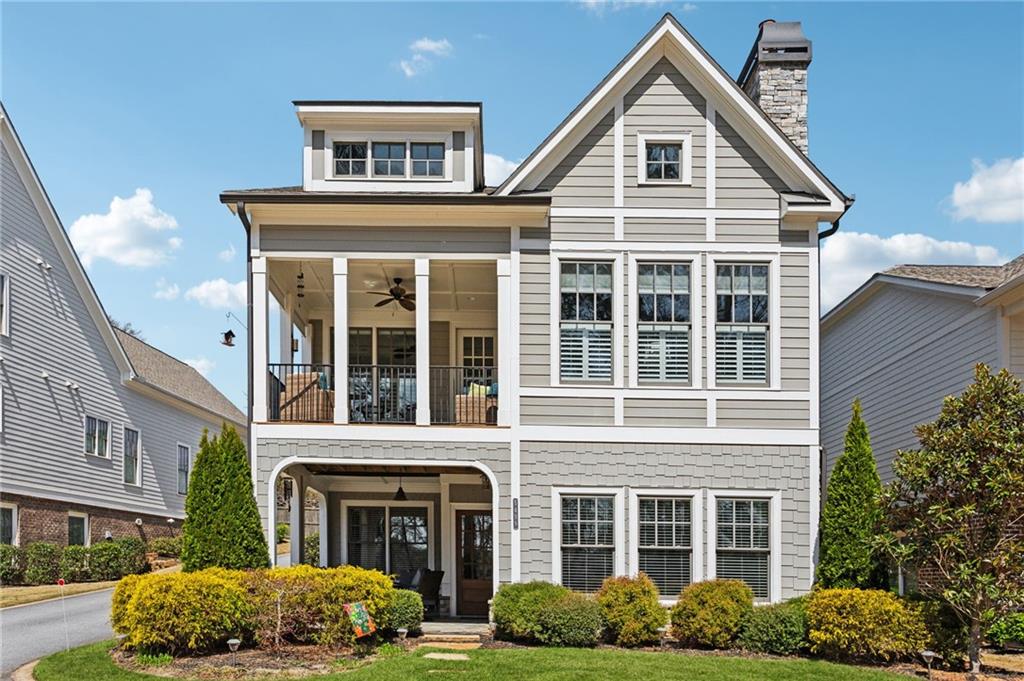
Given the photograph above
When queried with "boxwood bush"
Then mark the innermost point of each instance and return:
(42, 563)
(111, 560)
(573, 620)
(779, 629)
(74, 564)
(710, 614)
(12, 566)
(167, 547)
(857, 624)
(630, 609)
(517, 608)
(404, 611)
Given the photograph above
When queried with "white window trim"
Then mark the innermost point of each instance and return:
(388, 505)
(85, 516)
(685, 157)
(696, 528)
(556, 526)
(556, 319)
(5, 318)
(774, 533)
(774, 316)
(176, 471)
(110, 439)
(14, 521)
(696, 312)
(371, 182)
(138, 457)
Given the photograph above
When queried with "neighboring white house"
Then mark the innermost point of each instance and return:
(98, 429)
(607, 364)
(907, 338)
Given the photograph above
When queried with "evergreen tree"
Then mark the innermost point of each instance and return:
(851, 514)
(198, 549)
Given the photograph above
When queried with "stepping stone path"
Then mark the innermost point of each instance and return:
(447, 656)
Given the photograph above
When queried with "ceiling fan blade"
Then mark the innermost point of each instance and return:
(378, 293)
(407, 304)
(384, 302)
(411, 296)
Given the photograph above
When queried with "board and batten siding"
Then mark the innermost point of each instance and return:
(403, 241)
(52, 330)
(566, 411)
(901, 352)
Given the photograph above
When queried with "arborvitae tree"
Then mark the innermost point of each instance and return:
(222, 524)
(849, 520)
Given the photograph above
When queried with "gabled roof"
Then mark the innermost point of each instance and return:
(713, 83)
(172, 376)
(980, 276)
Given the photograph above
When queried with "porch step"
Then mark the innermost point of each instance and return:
(448, 638)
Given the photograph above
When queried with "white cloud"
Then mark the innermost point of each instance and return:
(201, 364)
(418, 62)
(994, 193)
(599, 7)
(848, 259)
(218, 294)
(497, 169)
(689, 7)
(415, 65)
(440, 48)
(134, 232)
(166, 290)
(228, 254)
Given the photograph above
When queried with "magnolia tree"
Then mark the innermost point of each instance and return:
(955, 511)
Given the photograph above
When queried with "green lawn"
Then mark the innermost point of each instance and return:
(92, 663)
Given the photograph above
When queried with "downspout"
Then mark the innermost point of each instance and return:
(240, 209)
(828, 232)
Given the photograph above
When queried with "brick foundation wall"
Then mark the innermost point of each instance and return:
(47, 520)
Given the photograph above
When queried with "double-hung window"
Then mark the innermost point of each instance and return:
(663, 318)
(585, 311)
(97, 437)
(391, 539)
(389, 159)
(132, 457)
(184, 463)
(427, 159)
(587, 541)
(8, 524)
(742, 544)
(741, 331)
(350, 159)
(664, 542)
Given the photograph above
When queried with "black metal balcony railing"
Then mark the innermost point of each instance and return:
(463, 396)
(381, 394)
(301, 392)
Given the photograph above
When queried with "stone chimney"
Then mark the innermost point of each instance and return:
(775, 76)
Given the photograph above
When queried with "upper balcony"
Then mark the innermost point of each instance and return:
(419, 341)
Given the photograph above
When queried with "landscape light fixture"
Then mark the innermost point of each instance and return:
(233, 644)
(928, 656)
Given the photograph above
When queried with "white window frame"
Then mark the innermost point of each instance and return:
(388, 505)
(14, 521)
(696, 319)
(97, 454)
(84, 516)
(555, 319)
(773, 260)
(333, 165)
(5, 316)
(371, 182)
(774, 533)
(138, 456)
(619, 521)
(188, 473)
(696, 497)
(428, 161)
(684, 138)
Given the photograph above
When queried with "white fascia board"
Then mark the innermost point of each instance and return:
(372, 109)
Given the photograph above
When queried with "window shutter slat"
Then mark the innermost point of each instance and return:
(663, 355)
(741, 355)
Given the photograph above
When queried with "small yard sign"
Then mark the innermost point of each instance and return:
(362, 623)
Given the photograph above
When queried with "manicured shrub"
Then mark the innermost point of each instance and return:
(166, 547)
(281, 533)
(184, 612)
(311, 547)
(114, 559)
(517, 608)
(1007, 628)
(12, 567)
(42, 563)
(779, 629)
(630, 610)
(711, 614)
(123, 593)
(404, 611)
(573, 620)
(856, 624)
(74, 564)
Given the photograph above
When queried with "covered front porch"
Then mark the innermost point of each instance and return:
(403, 518)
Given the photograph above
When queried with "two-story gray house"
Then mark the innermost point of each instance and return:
(607, 364)
(98, 429)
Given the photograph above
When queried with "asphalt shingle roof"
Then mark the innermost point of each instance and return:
(980, 276)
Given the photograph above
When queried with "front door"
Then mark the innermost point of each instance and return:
(474, 568)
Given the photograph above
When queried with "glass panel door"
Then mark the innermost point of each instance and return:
(475, 562)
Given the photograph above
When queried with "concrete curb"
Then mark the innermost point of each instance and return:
(25, 672)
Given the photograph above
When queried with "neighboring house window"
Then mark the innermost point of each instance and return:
(587, 541)
(97, 436)
(132, 457)
(741, 333)
(664, 540)
(427, 159)
(8, 524)
(742, 542)
(389, 159)
(184, 462)
(5, 305)
(391, 539)
(78, 529)
(663, 333)
(585, 311)
(663, 161)
(350, 159)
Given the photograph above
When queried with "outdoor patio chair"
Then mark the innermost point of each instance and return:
(429, 589)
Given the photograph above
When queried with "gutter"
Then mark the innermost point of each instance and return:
(835, 225)
(244, 218)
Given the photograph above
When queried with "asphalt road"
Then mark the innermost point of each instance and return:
(32, 631)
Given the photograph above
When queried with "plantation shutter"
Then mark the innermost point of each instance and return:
(663, 355)
(741, 355)
(664, 542)
(742, 315)
(366, 537)
(586, 354)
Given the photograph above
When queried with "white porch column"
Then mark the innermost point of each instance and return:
(422, 341)
(505, 342)
(285, 330)
(340, 340)
(297, 531)
(259, 339)
(307, 344)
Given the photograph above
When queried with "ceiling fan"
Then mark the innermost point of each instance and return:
(396, 294)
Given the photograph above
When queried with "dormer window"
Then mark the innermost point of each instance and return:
(350, 159)
(427, 159)
(389, 159)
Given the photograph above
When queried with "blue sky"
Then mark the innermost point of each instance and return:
(184, 100)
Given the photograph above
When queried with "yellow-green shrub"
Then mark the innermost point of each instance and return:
(185, 612)
(710, 614)
(851, 624)
(123, 593)
(631, 611)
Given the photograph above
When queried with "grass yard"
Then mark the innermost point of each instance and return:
(92, 663)
(20, 595)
